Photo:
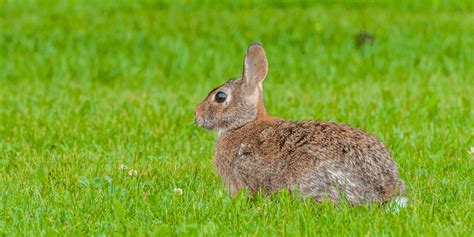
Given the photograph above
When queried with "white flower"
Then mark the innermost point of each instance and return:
(132, 172)
(178, 191)
(123, 167)
(471, 152)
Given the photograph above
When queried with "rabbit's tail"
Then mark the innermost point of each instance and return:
(399, 201)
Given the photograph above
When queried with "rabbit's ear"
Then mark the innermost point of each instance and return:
(255, 66)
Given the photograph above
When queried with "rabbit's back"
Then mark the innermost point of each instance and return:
(317, 158)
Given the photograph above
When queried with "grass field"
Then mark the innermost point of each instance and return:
(97, 105)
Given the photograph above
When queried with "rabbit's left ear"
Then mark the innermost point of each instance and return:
(255, 66)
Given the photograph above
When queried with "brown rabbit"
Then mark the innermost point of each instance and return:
(265, 153)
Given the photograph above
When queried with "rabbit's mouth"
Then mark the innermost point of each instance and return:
(201, 122)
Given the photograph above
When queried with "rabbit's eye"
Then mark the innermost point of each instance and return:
(220, 97)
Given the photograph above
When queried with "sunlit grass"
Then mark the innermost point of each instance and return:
(90, 90)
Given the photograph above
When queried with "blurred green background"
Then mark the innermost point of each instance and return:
(89, 87)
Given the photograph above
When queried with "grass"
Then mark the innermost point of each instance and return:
(89, 86)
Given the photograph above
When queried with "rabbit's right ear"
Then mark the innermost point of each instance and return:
(255, 66)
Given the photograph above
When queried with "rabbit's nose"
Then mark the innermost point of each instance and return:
(197, 119)
(198, 112)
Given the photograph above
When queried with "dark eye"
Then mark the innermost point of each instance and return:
(220, 97)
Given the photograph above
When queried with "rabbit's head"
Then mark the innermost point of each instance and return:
(238, 101)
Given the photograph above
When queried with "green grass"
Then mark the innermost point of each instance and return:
(88, 86)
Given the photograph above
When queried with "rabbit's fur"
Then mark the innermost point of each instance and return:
(264, 153)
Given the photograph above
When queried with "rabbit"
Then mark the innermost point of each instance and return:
(322, 160)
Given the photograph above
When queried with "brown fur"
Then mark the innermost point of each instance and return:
(264, 153)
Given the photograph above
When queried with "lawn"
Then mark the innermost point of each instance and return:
(97, 106)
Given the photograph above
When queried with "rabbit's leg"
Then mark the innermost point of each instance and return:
(258, 173)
